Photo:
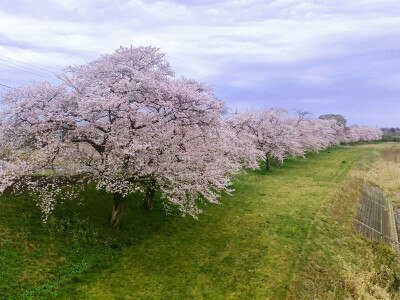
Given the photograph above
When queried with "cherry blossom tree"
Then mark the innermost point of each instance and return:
(124, 122)
(277, 134)
(326, 133)
(357, 133)
(271, 133)
(315, 135)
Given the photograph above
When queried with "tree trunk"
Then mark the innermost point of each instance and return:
(267, 163)
(149, 199)
(116, 215)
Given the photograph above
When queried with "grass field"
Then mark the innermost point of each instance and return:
(283, 234)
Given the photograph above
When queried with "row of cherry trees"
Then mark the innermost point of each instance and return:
(277, 134)
(125, 122)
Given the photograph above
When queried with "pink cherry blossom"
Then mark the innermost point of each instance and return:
(126, 123)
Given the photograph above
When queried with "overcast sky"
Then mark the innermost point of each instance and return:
(325, 56)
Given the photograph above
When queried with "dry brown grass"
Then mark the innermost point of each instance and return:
(385, 172)
(370, 281)
(351, 267)
(360, 285)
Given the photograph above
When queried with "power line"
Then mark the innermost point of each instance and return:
(19, 68)
(6, 86)
(12, 64)
(33, 66)
(33, 71)
(47, 62)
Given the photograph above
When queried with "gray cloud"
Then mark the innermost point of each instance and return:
(321, 55)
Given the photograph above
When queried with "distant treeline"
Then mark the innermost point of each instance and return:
(391, 134)
(389, 137)
(392, 131)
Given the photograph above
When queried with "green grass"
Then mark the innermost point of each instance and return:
(279, 232)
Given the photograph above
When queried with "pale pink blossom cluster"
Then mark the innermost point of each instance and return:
(125, 122)
(277, 134)
(357, 133)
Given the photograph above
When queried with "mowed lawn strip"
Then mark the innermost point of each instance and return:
(252, 245)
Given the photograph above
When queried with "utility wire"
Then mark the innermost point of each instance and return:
(6, 86)
(47, 62)
(19, 68)
(12, 64)
(20, 65)
(20, 62)
(33, 66)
